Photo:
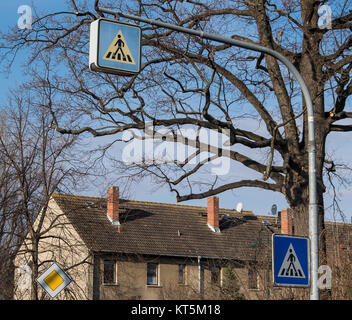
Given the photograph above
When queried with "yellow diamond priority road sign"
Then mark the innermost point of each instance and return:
(54, 280)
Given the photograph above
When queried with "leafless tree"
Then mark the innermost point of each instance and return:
(36, 162)
(11, 225)
(186, 80)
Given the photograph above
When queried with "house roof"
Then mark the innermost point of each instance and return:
(166, 229)
(155, 228)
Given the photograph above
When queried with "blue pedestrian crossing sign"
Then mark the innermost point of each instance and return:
(290, 260)
(115, 47)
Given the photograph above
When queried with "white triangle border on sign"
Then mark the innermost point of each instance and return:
(286, 262)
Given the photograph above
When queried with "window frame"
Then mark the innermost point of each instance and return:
(253, 276)
(182, 271)
(114, 272)
(217, 271)
(156, 283)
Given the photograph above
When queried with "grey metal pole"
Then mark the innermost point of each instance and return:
(313, 206)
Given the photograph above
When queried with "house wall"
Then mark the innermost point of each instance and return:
(132, 280)
(60, 243)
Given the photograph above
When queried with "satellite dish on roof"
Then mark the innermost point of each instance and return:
(274, 210)
(239, 207)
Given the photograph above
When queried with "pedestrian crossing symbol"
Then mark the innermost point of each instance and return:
(290, 260)
(119, 51)
(290, 266)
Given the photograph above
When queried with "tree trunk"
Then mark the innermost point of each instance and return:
(311, 70)
(34, 291)
(298, 198)
(301, 221)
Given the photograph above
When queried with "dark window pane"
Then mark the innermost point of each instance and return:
(215, 275)
(181, 273)
(252, 278)
(109, 271)
(152, 273)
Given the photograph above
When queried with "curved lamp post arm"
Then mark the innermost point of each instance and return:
(313, 207)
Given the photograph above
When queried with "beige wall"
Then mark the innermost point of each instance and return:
(132, 280)
(61, 243)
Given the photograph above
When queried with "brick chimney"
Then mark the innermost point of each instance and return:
(113, 206)
(213, 214)
(286, 221)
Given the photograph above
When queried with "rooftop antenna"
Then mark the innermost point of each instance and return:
(239, 207)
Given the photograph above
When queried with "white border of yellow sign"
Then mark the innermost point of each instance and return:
(66, 280)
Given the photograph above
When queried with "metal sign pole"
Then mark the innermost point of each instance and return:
(313, 206)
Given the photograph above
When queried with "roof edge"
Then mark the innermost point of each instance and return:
(223, 210)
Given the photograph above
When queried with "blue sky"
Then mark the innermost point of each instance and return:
(256, 200)
(8, 18)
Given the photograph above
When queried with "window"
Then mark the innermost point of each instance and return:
(252, 278)
(181, 273)
(152, 274)
(215, 275)
(109, 271)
